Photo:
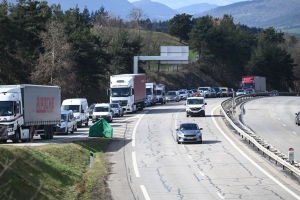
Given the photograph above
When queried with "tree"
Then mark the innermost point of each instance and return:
(180, 26)
(56, 64)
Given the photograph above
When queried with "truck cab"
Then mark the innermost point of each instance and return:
(160, 94)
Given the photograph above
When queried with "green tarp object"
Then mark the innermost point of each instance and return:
(101, 129)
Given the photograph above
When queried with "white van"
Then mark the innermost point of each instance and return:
(79, 107)
(102, 110)
(195, 106)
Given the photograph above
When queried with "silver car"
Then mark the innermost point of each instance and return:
(117, 109)
(173, 96)
(297, 118)
(189, 132)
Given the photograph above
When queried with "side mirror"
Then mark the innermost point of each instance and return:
(177, 129)
(200, 128)
(205, 104)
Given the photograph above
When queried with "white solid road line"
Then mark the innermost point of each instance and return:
(201, 173)
(135, 167)
(219, 194)
(135, 127)
(145, 193)
(249, 159)
(190, 156)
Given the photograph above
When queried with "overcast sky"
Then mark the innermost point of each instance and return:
(181, 3)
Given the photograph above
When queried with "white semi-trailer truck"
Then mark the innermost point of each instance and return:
(28, 110)
(129, 90)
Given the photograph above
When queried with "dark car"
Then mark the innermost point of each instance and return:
(274, 93)
(297, 118)
(250, 91)
(218, 91)
(189, 132)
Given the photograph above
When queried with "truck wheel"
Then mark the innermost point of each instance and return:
(80, 124)
(51, 132)
(67, 132)
(17, 138)
(87, 122)
(3, 141)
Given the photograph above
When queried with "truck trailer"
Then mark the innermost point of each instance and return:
(129, 90)
(258, 83)
(151, 93)
(27, 110)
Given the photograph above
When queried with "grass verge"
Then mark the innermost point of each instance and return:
(55, 171)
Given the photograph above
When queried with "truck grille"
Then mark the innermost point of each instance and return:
(3, 131)
(122, 103)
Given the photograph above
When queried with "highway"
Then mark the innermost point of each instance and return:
(273, 119)
(147, 163)
(151, 165)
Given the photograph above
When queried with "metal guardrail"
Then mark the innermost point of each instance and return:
(229, 110)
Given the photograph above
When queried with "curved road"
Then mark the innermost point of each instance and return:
(273, 119)
(149, 164)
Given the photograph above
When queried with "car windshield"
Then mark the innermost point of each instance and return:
(114, 105)
(74, 108)
(217, 89)
(240, 90)
(204, 89)
(171, 93)
(92, 106)
(148, 91)
(194, 90)
(195, 101)
(158, 92)
(181, 92)
(120, 92)
(101, 109)
(6, 108)
(63, 117)
(189, 127)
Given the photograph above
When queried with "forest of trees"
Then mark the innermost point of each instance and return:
(41, 44)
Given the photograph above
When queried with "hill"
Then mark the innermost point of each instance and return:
(260, 13)
(196, 8)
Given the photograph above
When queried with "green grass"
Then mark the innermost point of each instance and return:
(58, 171)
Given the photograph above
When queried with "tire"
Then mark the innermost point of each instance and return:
(87, 122)
(79, 126)
(51, 132)
(111, 120)
(67, 132)
(187, 115)
(72, 132)
(200, 142)
(17, 138)
(3, 141)
(203, 114)
(178, 141)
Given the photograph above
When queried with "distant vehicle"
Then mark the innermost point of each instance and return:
(173, 96)
(151, 93)
(218, 91)
(117, 109)
(274, 93)
(129, 90)
(201, 93)
(206, 91)
(79, 107)
(195, 106)
(240, 92)
(189, 132)
(161, 93)
(196, 92)
(230, 92)
(190, 93)
(258, 83)
(67, 124)
(225, 91)
(102, 110)
(297, 118)
(183, 94)
(213, 93)
(90, 110)
(250, 91)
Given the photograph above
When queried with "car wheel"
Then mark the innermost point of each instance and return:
(17, 138)
(187, 115)
(178, 141)
(72, 130)
(200, 142)
(204, 114)
(87, 122)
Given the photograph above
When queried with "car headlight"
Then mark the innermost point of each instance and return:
(10, 129)
(180, 134)
(77, 117)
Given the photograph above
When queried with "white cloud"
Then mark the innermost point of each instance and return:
(180, 3)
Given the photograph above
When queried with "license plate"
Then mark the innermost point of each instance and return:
(190, 138)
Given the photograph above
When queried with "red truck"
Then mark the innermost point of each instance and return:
(258, 83)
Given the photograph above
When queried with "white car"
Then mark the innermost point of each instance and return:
(183, 94)
(195, 106)
(102, 110)
(67, 124)
(240, 92)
